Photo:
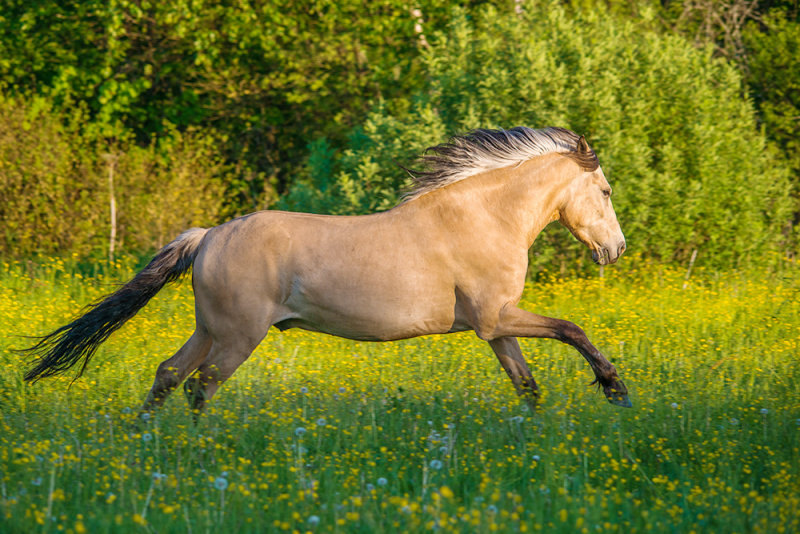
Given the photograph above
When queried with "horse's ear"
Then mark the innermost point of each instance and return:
(583, 146)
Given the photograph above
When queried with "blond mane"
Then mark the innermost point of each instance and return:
(484, 150)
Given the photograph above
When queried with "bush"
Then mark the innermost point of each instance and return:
(675, 137)
(54, 186)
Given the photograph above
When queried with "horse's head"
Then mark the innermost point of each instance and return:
(587, 211)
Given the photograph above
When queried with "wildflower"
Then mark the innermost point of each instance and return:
(342, 389)
(492, 509)
(764, 411)
(370, 487)
(674, 405)
(159, 476)
(147, 436)
(436, 464)
(145, 416)
(382, 481)
(321, 421)
(303, 390)
(126, 410)
(37, 481)
(313, 521)
(221, 483)
(536, 458)
(734, 421)
(299, 431)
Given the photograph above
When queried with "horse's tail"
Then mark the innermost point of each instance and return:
(60, 350)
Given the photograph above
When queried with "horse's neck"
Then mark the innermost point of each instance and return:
(521, 199)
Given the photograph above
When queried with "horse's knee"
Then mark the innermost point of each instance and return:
(569, 332)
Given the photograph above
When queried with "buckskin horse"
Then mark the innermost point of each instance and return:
(451, 256)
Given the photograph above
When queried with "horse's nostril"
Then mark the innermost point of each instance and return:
(621, 248)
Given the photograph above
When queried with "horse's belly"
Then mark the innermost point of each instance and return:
(370, 317)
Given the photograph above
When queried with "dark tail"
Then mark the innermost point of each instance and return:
(60, 350)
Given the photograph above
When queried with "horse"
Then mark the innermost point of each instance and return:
(451, 256)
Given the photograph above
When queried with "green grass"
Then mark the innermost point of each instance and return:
(319, 434)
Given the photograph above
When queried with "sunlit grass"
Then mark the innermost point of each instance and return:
(319, 434)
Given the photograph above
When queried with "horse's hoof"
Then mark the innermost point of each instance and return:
(620, 400)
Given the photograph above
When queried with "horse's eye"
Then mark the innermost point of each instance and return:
(606, 193)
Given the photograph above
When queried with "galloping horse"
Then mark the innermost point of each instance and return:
(451, 257)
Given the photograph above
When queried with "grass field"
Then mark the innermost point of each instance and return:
(320, 434)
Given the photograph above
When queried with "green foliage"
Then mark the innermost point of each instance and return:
(773, 75)
(54, 192)
(268, 75)
(285, 89)
(674, 136)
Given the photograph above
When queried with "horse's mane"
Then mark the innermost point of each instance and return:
(483, 150)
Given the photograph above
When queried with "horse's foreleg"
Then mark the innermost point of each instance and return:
(520, 323)
(511, 358)
(174, 370)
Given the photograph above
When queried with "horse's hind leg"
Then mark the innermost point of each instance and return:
(511, 358)
(174, 370)
(223, 360)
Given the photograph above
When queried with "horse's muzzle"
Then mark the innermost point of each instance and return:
(604, 256)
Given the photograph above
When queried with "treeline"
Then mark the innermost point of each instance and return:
(189, 112)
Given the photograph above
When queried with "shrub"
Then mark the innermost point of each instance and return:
(54, 186)
(674, 135)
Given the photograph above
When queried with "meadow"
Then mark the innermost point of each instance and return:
(320, 434)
